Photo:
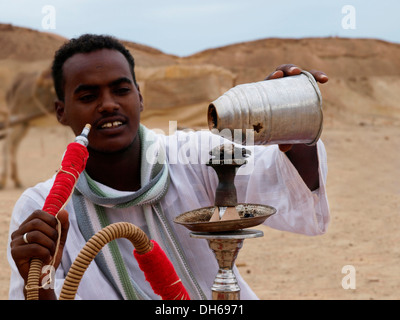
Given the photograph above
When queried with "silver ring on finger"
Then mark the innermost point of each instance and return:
(25, 238)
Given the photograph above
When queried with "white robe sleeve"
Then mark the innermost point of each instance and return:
(273, 180)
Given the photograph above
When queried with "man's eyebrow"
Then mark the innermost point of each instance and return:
(89, 87)
(85, 87)
(119, 81)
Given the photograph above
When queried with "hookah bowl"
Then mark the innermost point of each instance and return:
(225, 237)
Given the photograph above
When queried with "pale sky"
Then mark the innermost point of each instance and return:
(184, 27)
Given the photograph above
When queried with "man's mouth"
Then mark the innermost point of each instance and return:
(113, 124)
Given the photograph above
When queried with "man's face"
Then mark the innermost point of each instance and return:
(99, 90)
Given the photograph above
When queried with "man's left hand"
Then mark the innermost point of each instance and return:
(285, 70)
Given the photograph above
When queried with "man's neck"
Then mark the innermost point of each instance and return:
(119, 170)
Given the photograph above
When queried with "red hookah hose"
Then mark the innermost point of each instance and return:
(72, 165)
(161, 275)
(158, 269)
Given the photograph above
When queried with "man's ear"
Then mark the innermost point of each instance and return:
(59, 107)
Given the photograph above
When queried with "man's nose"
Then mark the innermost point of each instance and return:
(108, 104)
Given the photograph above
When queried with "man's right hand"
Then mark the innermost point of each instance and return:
(42, 235)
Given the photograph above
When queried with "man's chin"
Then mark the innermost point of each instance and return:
(113, 149)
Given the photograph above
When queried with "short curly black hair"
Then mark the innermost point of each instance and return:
(86, 43)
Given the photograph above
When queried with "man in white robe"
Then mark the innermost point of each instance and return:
(95, 83)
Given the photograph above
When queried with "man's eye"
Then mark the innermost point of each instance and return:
(87, 97)
(122, 90)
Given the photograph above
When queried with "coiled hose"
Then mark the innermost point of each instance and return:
(114, 231)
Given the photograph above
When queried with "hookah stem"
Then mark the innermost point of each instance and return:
(72, 165)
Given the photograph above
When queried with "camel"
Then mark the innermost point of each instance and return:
(30, 96)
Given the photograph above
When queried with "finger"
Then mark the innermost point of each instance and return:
(38, 220)
(38, 215)
(275, 75)
(22, 256)
(39, 238)
(63, 219)
(319, 76)
(285, 147)
(43, 215)
(38, 246)
(289, 69)
(37, 226)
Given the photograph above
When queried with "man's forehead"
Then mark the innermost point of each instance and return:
(98, 58)
(80, 63)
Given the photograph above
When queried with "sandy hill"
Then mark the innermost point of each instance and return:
(23, 49)
(364, 73)
(339, 57)
(29, 45)
(188, 85)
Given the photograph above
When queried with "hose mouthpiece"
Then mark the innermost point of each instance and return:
(82, 138)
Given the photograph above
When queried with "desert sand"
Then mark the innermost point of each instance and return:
(361, 135)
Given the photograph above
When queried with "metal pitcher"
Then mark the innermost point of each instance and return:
(280, 111)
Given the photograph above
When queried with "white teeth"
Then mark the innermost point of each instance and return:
(112, 124)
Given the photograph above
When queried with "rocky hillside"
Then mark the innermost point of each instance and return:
(363, 87)
(364, 73)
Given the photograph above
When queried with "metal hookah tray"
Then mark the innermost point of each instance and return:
(250, 215)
